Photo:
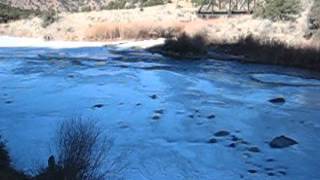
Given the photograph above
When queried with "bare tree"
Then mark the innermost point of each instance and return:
(81, 150)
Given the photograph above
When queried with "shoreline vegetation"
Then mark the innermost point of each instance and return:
(247, 49)
(282, 32)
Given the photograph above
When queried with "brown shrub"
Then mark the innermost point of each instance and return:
(186, 46)
(270, 51)
(134, 30)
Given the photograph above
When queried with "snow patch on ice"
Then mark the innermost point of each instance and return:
(8, 41)
(283, 79)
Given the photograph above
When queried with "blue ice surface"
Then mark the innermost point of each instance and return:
(40, 87)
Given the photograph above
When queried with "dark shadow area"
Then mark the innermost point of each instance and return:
(270, 51)
(7, 172)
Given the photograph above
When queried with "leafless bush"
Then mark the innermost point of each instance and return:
(81, 149)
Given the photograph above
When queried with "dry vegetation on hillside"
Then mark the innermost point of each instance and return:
(134, 30)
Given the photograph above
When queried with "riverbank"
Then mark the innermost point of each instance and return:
(267, 51)
(155, 22)
(130, 27)
(248, 49)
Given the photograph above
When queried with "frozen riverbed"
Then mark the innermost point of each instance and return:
(163, 114)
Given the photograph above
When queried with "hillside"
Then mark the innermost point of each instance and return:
(62, 5)
(112, 23)
(78, 5)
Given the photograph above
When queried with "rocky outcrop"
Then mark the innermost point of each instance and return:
(282, 142)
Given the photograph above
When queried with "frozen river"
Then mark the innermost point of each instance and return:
(163, 114)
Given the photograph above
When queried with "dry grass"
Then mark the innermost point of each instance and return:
(134, 30)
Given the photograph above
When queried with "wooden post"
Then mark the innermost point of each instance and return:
(230, 8)
(200, 9)
(212, 6)
(237, 1)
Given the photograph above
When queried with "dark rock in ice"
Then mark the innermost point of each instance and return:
(270, 160)
(221, 133)
(191, 116)
(232, 145)
(279, 100)
(211, 116)
(156, 117)
(282, 142)
(282, 173)
(124, 126)
(244, 142)
(71, 76)
(254, 149)
(270, 174)
(252, 171)
(153, 96)
(235, 138)
(138, 104)
(8, 102)
(160, 111)
(212, 141)
(98, 106)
